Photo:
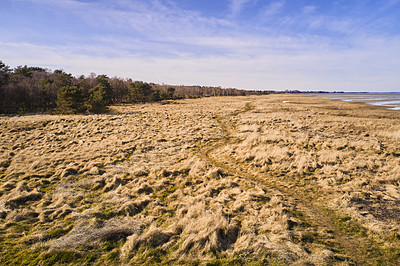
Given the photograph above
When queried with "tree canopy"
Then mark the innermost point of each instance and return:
(35, 89)
(70, 100)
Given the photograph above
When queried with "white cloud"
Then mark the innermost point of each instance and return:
(309, 9)
(237, 5)
(157, 42)
(255, 66)
(274, 8)
(389, 4)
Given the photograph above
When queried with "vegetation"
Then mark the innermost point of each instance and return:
(210, 181)
(141, 92)
(70, 100)
(34, 89)
(100, 96)
(278, 179)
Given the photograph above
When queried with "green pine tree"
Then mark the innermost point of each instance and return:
(100, 97)
(140, 92)
(70, 100)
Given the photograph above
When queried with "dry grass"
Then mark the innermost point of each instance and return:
(224, 180)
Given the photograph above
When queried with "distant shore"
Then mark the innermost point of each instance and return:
(390, 101)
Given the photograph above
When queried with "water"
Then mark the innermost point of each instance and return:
(389, 100)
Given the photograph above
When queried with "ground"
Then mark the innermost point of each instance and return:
(275, 179)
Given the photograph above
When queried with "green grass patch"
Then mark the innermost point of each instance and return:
(57, 232)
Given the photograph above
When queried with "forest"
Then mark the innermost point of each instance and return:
(27, 89)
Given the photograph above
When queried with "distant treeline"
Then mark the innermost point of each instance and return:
(35, 89)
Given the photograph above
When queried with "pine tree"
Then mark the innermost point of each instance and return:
(99, 98)
(70, 100)
(140, 92)
(101, 95)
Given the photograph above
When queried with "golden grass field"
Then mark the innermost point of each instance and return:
(275, 179)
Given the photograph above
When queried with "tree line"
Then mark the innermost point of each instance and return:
(35, 89)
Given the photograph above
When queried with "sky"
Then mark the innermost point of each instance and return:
(343, 45)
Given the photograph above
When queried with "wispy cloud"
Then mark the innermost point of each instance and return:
(237, 5)
(389, 4)
(256, 64)
(274, 8)
(157, 41)
(309, 9)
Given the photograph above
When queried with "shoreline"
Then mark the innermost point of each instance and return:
(376, 99)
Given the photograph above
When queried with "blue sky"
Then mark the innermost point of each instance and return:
(351, 45)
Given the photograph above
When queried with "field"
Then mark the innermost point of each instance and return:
(275, 179)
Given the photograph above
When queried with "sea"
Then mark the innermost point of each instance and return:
(389, 100)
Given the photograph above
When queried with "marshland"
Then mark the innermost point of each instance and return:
(274, 179)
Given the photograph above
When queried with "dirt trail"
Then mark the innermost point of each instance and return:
(314, 212)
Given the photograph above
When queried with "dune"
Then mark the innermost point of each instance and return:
(274, 179)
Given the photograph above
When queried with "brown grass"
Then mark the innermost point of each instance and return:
(227, 180)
